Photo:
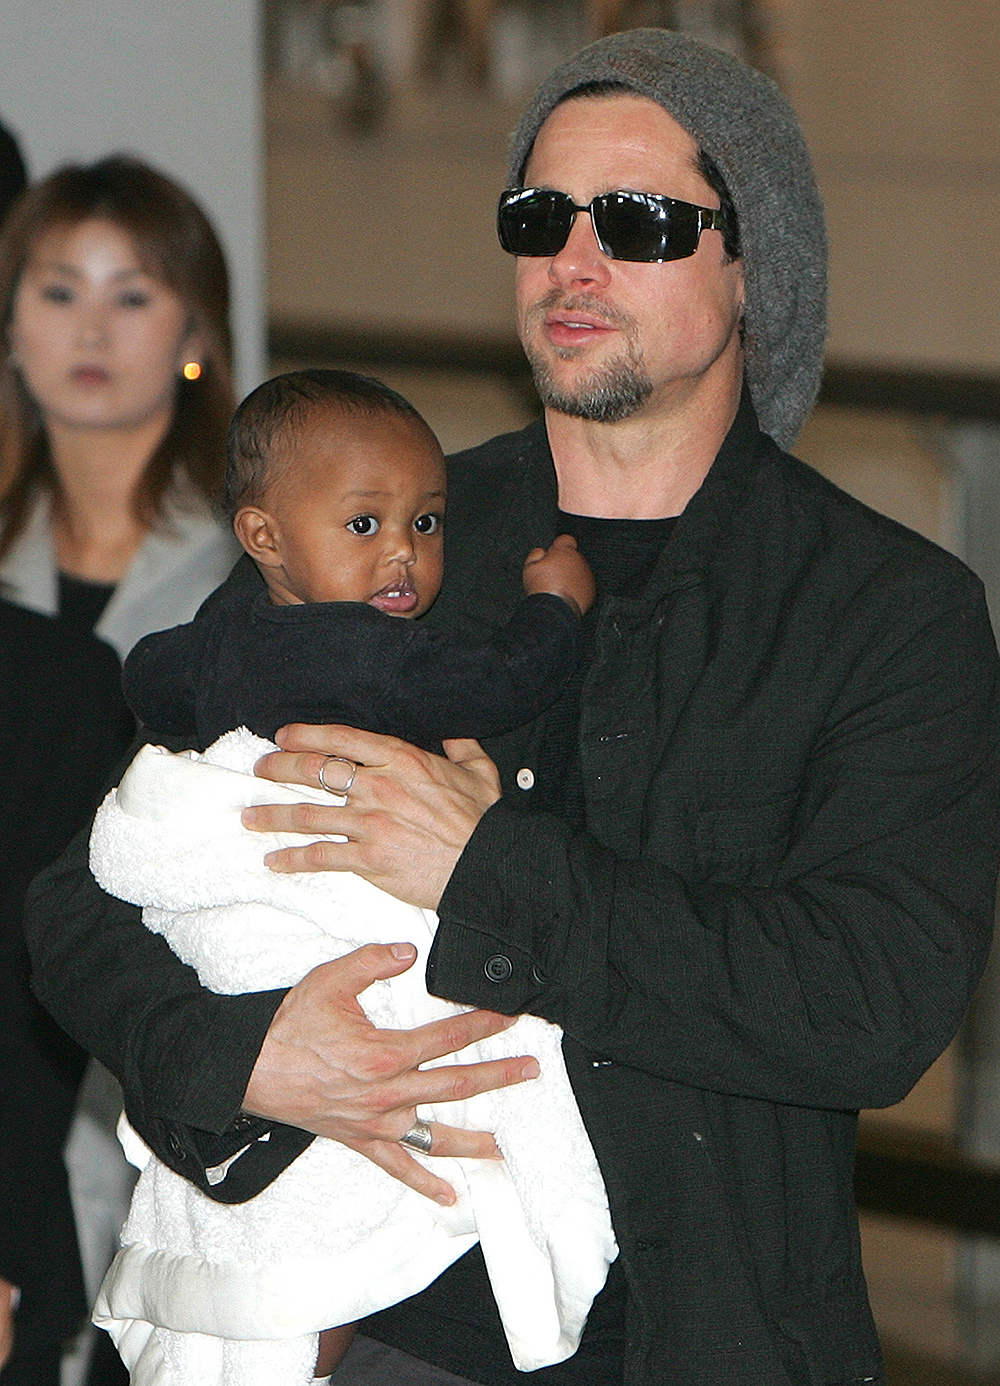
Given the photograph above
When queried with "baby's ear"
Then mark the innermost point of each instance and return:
(257, 532)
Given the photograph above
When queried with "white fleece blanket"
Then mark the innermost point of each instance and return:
(211, 1294)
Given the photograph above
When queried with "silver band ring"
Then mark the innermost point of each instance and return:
(341, 789)
(418, 1138)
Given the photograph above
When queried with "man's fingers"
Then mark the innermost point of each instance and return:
(446, 1141)
(456, 1082)
(314, 856)
(373, 962)
(287, 767)
(463, 750)
(450, 1035)
(468, 753)
(451, 1141)
(304, 748)
(336, 739)
(396, 1160)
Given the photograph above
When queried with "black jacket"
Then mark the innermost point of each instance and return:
(63, 725)
(777, 914)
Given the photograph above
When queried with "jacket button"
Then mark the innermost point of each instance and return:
(525, 778)
(175, 1146)
(498, 968)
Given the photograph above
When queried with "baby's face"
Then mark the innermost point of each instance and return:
(357, 512)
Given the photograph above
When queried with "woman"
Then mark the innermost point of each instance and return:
(114, 400)
(115, 394)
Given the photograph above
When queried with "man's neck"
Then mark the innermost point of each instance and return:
(648, 466)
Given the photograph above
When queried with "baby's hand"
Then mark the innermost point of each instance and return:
(563, 571)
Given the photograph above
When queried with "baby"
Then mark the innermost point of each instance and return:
(336, 487)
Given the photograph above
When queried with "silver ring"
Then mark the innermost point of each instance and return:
(342, 789)
(418, 1138)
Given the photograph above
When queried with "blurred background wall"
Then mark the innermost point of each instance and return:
(900, 103)
(177, 84)
(898, 98)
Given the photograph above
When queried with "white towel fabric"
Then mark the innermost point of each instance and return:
(211, 1294)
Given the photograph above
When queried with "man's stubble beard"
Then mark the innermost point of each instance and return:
(607, 394)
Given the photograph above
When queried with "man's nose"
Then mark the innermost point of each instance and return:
(581, 259)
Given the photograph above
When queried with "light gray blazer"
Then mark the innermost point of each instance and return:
(167, 580)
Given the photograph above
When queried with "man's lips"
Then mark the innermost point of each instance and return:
(566, 328)
(395, 599)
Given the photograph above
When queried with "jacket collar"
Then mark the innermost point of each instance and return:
(699, 529)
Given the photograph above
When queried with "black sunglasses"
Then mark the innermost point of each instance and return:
(644, 227)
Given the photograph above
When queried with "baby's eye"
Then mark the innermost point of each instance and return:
(134, 298)
(428, 524)
(363, 524)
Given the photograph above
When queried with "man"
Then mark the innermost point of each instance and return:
(748, 863)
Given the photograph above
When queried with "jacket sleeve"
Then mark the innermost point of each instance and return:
(832, 980)
(163, 670)
(182, 1054)
(159, 680)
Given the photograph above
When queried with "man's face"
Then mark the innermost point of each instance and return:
(610, 339)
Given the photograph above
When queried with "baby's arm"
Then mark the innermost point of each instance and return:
(442, 685)
(562, 570)
(333, 1343)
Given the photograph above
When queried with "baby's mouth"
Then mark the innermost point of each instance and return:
(396, 599)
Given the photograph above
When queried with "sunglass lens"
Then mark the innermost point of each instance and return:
(532, 221)
(630, 227)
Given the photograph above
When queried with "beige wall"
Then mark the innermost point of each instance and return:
(901, 104)
(177, 84)
(901, 107)
(391, 231)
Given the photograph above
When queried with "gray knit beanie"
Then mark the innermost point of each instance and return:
(745, 125)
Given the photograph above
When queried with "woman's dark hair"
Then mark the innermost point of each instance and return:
(13, 173)
(262, 422)
(176, 244)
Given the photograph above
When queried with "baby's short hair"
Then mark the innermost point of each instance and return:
(283, 403)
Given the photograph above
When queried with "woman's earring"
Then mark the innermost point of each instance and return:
(191, 370)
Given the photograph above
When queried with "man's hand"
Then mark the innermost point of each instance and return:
(325, 1068)
(408, 815)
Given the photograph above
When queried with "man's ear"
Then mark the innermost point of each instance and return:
(258, 533)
